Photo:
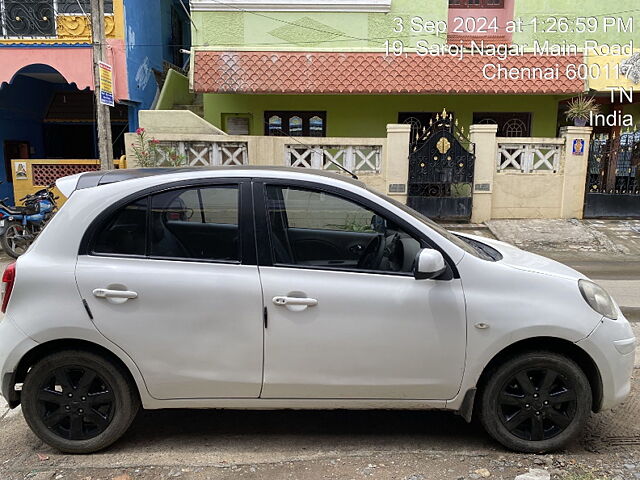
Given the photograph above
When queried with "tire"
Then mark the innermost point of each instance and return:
(6, 244)
(519, 411)
(78, 402)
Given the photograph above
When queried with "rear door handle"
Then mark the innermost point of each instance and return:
(285, 301)
(104, 293)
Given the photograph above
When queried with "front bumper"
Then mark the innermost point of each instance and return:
(14, 344)
(612, 346)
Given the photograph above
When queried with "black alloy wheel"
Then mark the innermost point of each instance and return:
(78, 401)
(537, 404)
(535, 401)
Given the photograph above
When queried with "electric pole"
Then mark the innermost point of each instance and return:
(103, 113)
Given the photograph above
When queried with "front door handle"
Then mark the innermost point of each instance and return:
(287, 301)
(105, 293)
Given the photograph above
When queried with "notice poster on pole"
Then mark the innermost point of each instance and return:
(106, 84)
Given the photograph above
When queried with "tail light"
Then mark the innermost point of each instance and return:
(8, 278)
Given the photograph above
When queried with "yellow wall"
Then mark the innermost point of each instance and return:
(603, 81)
(24, 187)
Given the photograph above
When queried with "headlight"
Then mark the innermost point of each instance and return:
(598, 299)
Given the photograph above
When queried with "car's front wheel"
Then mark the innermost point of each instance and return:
(535, 402)
(78, 402)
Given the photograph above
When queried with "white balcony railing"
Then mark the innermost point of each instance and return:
(202, 154)
(355, 158)
(529, 155)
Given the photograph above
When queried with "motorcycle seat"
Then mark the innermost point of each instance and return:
(28, 210)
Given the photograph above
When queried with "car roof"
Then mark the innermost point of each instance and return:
(94, 179)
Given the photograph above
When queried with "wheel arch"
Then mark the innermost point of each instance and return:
(554, 345)
(44, 349)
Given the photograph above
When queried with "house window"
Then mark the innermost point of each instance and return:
(510, 124)
(476, 3)
(295, 124)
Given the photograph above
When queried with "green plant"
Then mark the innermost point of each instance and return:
(353, 224)
(151, 153)
(582, 107)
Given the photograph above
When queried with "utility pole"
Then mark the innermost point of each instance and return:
(105, 146)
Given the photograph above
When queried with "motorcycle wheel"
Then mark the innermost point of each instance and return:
(13, 241)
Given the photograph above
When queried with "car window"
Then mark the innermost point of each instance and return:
(196, 223)
(463, 243)
(125, 232)
(312, 228)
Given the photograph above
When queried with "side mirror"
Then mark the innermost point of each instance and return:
(429, 264)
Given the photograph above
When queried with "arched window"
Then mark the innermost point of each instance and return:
(295, 126)
(316, 126)
(275, 126)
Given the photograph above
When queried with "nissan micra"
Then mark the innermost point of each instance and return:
(267, 288)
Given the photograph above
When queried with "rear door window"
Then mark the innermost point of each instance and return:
(196, 223)
(125, 233)
(200, 223)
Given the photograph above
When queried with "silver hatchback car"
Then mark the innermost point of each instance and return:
(287, 288)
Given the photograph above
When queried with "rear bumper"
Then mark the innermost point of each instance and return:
(14, 345)
(612, 346)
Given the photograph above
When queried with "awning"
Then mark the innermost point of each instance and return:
(375, 73)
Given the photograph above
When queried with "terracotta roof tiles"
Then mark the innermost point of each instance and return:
(370, 73)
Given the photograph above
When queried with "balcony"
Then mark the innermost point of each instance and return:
(35, 21)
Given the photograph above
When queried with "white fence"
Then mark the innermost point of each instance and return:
(530, 156)
(355, 158)
(203, 154)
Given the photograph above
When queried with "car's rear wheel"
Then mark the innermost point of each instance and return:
(78, 402)
(535, 402)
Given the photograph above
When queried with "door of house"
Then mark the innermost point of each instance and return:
(441, 164)
(613, 176)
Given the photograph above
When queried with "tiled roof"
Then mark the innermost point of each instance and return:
(334, 72)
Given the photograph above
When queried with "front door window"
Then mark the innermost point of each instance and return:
(312, 228)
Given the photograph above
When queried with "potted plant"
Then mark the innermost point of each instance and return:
(580, 110)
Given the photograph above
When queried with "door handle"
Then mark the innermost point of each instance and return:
(104, 293)
(285, 301)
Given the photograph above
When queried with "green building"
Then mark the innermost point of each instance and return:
(350, 67)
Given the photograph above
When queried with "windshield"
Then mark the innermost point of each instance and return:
(466, 245)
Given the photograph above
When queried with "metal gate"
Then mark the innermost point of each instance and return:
(441, 164)
(613, 177)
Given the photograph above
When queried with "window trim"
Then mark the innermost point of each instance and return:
(246, 228)
(370, 6)
(263, 227)
(464, 4)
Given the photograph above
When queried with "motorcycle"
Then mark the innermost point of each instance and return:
(20, 225)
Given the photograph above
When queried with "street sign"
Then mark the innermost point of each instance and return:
(106, 84)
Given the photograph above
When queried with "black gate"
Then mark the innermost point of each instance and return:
(441, 164)
(613, 177)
